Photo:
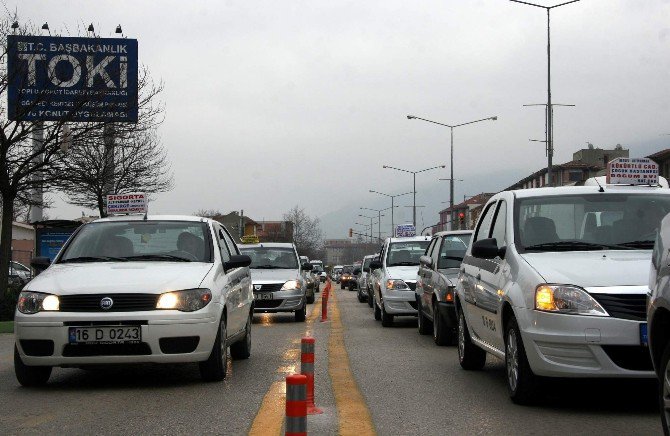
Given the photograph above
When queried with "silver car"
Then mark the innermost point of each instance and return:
(362, 288)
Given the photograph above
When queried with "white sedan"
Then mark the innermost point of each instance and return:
(133, 289)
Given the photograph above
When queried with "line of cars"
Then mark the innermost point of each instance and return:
(555, 282)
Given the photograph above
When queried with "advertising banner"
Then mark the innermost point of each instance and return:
(126, 203)
(632, 171)
(71, 79)
(405, 230)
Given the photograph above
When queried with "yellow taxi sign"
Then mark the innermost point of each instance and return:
(250, 239)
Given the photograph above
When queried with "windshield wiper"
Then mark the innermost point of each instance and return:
(83, 259)
(167, 257)
(574, 245)
(404, 264)
(266, 267)
(645, 243)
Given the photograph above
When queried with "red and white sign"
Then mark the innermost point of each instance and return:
(632, 171)
(127, 203)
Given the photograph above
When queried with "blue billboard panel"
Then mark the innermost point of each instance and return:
(71, 79)
(51, 243)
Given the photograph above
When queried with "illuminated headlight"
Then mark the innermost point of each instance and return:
(189, 300)
(396, 285)
(291, 285)
(567, 299)
(33, 302)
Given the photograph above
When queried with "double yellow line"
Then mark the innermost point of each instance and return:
(352, 411)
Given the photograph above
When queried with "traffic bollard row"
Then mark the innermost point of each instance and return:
(296, 405)
(307, 369)
(324, 301)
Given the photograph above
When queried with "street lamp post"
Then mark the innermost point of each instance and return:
(452, 127)
(550, 115)
(371, 223)
(365, 227)
(379, 219)
(392, 206)
(414, 173)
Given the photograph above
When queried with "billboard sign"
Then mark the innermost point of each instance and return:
(126, 203)
(405, 231)
(632, 171)
(71, 79)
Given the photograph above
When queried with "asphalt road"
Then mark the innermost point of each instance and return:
(400, 379)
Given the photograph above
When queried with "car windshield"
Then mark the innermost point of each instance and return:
(453, 250)
(366, 262)
(169, 241)
(406, 253)
(596, 221)
(271, 257)
(317, 268)
(347, 269)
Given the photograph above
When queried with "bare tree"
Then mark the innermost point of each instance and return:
(207, 213)
(307, 235)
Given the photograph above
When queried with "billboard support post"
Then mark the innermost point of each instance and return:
(36, 195)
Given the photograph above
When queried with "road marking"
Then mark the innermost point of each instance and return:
(270, 417)
(352, 410)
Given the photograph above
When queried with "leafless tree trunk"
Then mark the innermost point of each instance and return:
(307, 235)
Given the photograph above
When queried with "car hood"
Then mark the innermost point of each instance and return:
(273, 275)
(592, 268)
(405, 273)
(119, 277)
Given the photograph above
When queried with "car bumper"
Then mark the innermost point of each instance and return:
(400, 303)
(283, 301)
(583, 346)
(154, 325)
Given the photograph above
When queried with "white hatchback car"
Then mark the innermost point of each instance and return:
(555, 283)
(394, 277)
(131, 289)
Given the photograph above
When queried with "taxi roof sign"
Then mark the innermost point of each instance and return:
(405, 230)
(632, 171)
(127, 203)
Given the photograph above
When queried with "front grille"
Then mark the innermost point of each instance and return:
(631, 357)
(413, 304)
(269, 287)
(625, 306)
(121, 302)
(267, 304)
(37, 347)
(182, 344)
(90, 350)
(411, 285)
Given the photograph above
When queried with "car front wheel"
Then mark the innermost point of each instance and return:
(387, 320)
(664, 390)
(522, 383)
(424, 323)
(216, 366)
(30, 376)
(470, 356)
(242, 349)
(301, 314)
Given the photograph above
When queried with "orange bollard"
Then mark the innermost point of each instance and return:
(296, 405)
(324, 301)
(307, 369)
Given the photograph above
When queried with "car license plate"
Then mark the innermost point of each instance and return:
(105, 335)
(264, 296)
(644, 338)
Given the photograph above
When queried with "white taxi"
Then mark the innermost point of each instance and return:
(555, 281)
(133, 289)
(393, 277)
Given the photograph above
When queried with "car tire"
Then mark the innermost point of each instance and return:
(423, 322)
(301, 314)
(361, 299)
(378, 311)
(370, 298)
(30, 376)
(215, 367)
(310, 299)
(470, 356)
(242, 349)
(341, 285)
(442, 335)
(522, 383)
(664, 390)
(387, 320)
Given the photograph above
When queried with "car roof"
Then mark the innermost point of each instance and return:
(568, 190)
(140, 217)
(453, 232)
(267, 245)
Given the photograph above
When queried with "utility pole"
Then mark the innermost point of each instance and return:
(37, 195)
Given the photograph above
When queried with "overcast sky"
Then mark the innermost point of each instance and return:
(275, 103)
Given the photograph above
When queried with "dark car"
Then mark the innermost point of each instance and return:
(347, 276)
(436, 279)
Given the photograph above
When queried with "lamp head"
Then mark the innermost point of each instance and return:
(45, 26)
(410, 117)
(443, 166)
(494, 118)
(15, 25)
(118, 29)
(90, 28)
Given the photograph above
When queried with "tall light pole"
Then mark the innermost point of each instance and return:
(365, 227)
(392, 206)
(371, 223)
(550, 114)
(379, 219)
(414, 173)
(452, 127)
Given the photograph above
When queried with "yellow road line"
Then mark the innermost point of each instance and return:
(352, 411)
(316, 310)
(270, 417)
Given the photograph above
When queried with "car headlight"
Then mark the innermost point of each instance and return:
(567, 299)
(188, 300)
(291, 285)
(396, 285)
(33, 302)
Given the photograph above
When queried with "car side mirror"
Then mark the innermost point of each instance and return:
(426, 261)
(375, 264)
(366, 269)
(488, 249)
(307, 266)
(357, 271)
(237, 261)
(40, 263)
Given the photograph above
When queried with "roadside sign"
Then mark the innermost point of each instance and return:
(126, 203)
(405, 230)
(632, 171)
(250, 239)
(71, 79)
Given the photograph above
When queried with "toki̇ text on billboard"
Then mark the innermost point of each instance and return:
(72, 79)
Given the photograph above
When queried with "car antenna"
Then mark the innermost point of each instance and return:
(599, 185)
